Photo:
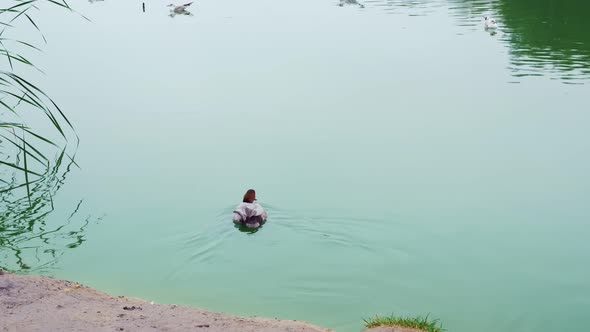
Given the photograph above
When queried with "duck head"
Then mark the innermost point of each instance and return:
(250, 196)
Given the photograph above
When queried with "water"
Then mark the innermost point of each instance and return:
(411, 162)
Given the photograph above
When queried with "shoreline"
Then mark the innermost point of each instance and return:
(40, 303)
(36, 303)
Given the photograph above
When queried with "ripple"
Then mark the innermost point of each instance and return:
(332, 233)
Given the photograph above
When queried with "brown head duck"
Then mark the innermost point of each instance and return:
(249, 213)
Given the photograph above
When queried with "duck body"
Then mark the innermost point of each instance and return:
(251, 215)
(350, 2)
(490, 23)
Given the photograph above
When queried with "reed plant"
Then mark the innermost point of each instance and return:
(26, 153)
(34, 160)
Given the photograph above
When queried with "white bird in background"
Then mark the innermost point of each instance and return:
(350, 2)
(180, 8)
(490, 23)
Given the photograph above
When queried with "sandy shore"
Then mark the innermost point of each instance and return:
(37, 303)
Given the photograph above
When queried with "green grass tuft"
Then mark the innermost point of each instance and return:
(421, 323)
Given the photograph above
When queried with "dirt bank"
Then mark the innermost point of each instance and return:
(36, 303)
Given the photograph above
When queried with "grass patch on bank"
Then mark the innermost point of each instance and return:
(425, 323)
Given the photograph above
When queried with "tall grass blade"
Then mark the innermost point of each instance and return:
(36, 27)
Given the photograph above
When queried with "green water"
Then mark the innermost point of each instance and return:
(410, 161)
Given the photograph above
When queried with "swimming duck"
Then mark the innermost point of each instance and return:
(249, 213)
(350, 2)
(490, 23)
(180, 8)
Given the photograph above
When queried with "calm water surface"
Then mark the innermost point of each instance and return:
(411, 161)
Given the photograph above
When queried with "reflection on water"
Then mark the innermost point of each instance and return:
(544, 38)
(183, 12)
(548, 37)
(28, 239)
(242, 228)
(412, 8)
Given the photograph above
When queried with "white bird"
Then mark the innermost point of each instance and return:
(180, 8)
(350, 2)
(490, 23)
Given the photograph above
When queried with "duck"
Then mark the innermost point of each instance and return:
(180, 8)
(249, 213)
(490, 23)
(350, 2)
